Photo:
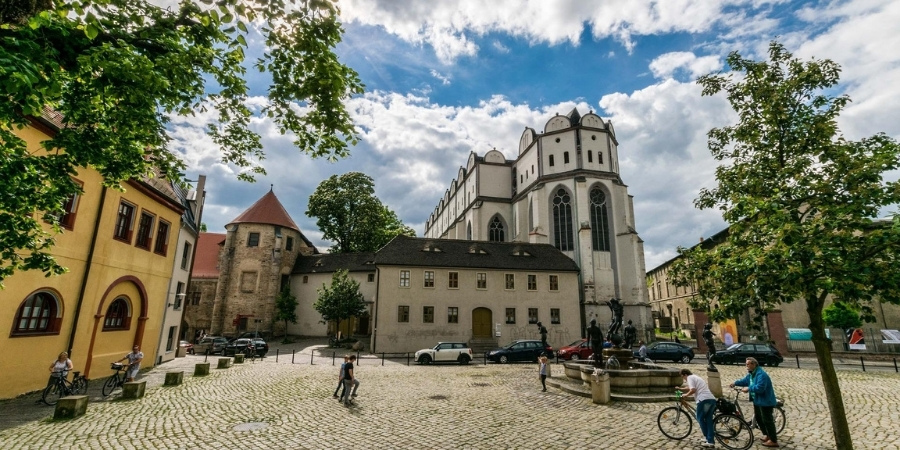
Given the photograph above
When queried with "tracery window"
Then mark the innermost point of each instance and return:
(495, 230)
(562, 221)
(599, 220)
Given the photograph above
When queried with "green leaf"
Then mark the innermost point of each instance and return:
(91, 31)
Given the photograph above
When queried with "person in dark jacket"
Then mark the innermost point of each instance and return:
(759, 386)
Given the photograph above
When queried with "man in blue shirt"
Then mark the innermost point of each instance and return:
(758, 384)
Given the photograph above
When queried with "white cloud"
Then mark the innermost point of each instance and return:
(445, 80)
(666, 65)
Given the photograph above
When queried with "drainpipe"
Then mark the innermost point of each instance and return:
(87, 274)
(375, 307)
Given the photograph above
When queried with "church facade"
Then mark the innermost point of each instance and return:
(564, 189)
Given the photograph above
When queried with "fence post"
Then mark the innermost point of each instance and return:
(798, 360)
(292, 355)
(382, 359)
(276, 354)
(895, 365)
(862, 363)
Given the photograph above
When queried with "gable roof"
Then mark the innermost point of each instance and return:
(331, 262)
(267, 210)
(412, 251)
(206, 259)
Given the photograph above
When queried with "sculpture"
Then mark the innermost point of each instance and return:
(615, 305)
(595, 337)
(543, 331)
(710, 345)
(630, 334)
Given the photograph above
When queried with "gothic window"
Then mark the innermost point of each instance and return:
(562, 221)
(551, 160)
(590, 156)
(565, 157)
(599, 220)
(37, 315)
(495, 230)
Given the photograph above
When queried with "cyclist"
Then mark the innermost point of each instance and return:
(759, 385)
(134, 362)
(61, 367)
(706, 405)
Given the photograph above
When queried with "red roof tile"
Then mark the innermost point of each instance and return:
(207, 259)
(267, 210)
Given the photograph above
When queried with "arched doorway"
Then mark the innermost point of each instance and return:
(481, 322)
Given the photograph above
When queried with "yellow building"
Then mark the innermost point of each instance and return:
(119, 247)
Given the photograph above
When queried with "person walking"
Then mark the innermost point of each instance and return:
(759, 386)
(543, 370)
(341, 379)
(351, 384)
(706, 405)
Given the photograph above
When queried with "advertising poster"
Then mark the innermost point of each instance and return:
(890, 336)
(855, 338)
(728, 332)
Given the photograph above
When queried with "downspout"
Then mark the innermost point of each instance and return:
(201, 201)
(87, 273)
(375, 307)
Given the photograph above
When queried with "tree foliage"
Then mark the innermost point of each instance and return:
(286, 307)
(340, 301)
(800, 201)
(117, 70)
(839, 315)
(349, 214)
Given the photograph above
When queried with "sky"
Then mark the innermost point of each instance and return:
(450, 77)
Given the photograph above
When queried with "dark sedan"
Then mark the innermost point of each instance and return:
(669, 351)
(241, 345)
(738, 354)
(526, 350)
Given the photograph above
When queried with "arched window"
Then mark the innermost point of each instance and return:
(562, 221)
(469, 231)
(38, 314)
(495, 230)
(599, 220)
(118, 315)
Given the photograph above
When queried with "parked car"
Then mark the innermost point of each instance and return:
(189, 348)
(445, 352)
(240, 344)
(214, 344)
(250, 335)
(523, 350)
(766, 354)
(669, 351)
(580, 349)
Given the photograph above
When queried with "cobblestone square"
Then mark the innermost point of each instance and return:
(269, 405)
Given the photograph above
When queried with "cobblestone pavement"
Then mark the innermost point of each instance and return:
(269, 405)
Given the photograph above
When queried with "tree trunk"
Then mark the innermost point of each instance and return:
(842, 438)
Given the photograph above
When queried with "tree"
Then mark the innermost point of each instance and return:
(349, 214)
(839, 315)
(117, 70)
(800, 201)
(342, 300)
(286, 308)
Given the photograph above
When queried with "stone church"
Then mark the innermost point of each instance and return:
(564, 189)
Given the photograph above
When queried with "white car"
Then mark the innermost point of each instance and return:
(445, 352)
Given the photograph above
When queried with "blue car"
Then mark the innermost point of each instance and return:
(524, 350)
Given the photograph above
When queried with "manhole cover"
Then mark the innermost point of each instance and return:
(251, 426)
(438, 397)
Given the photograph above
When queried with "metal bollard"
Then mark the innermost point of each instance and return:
(276, 355)
(382, 359)
(798, 360)
(862, 363)
(293, 353)
(407, 360)
(332, 357)
(895, 365)
(311, 355)
(357, 358)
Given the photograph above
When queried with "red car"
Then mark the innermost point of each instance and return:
(580, 349)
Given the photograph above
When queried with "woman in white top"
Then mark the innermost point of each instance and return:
(706, 404)
(62, 366)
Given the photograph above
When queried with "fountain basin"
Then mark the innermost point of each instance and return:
(638, 378)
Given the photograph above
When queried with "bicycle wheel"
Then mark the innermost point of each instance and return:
(732, 432)
(674, 422)
(780, 419)
(112, 383)
(52, 393)
(80, 386)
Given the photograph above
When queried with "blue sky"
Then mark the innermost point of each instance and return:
(444, 78)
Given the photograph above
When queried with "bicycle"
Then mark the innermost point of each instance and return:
(60, 386)
(250, 352)
(116, 380)
(777, 412)
(676, 422)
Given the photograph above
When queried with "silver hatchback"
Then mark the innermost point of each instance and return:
(213, 344)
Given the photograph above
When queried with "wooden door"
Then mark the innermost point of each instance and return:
(481, 322)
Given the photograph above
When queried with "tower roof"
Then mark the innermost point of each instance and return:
(267, 210)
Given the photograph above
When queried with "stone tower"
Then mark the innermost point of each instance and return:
(260, 248)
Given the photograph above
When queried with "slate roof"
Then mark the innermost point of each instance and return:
(411, 251)
(206, 260)
(328, 262)
(267, 210)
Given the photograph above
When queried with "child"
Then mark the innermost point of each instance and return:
(543, 371)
